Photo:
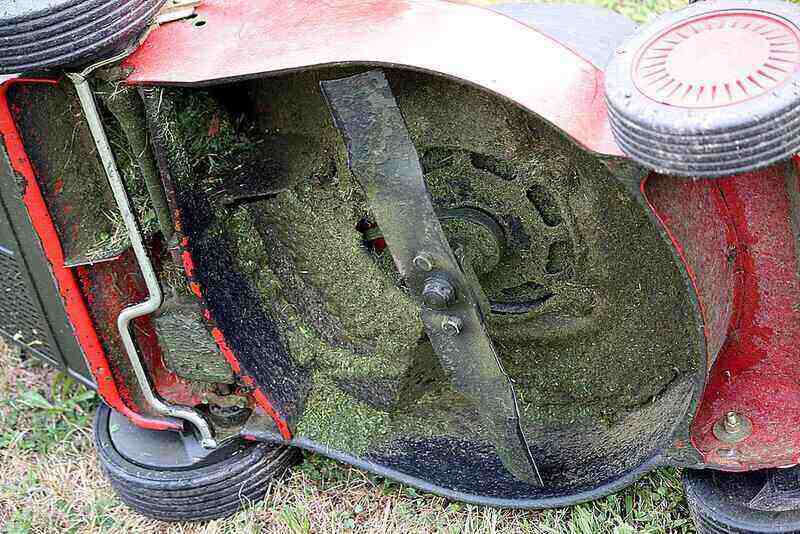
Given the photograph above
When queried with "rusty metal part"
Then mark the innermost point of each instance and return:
(733, 428)
(153, 302)
(385, 161)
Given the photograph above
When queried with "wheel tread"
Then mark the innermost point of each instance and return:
(75, 33)
(214, 491)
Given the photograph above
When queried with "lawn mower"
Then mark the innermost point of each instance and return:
(517, 257)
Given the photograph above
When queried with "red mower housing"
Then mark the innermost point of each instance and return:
(653, 315)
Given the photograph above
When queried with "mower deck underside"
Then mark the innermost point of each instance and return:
(605, 329)
(317, 316)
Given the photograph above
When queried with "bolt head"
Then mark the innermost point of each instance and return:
(438, 293)
(423, 262)
(732, 421)
(228, 415)
(733, 427)
(452, 325)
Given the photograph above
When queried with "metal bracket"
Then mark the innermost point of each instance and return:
(176, 10)
(154, 299)
(385, 161)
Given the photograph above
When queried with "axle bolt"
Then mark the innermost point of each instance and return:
(228, 416)
(452, 325)
(423, 262)
(438, 293)
(733, 427)
(732, 422)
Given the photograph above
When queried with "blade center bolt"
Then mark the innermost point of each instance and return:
(451, 325)
(438, 292)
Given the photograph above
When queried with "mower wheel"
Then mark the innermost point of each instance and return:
(167, 476)
(744, 503)
(710, 90)
(41, 34)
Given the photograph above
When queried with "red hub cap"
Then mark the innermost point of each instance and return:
(717, 59)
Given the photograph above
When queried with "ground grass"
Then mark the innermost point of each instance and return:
(50, 482)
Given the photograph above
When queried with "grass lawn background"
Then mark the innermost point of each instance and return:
(50, 482)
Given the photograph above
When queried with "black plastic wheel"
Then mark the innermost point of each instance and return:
(755, 502)
(191, 488)
(42, 34)
(710, 90)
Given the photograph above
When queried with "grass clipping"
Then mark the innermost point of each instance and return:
(617, 333)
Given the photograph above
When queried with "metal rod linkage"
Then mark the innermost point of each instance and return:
(154, 298)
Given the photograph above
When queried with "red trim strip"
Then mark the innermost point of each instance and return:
(260, 397)
(65, 280)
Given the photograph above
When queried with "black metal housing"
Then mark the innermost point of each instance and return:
(32, 314)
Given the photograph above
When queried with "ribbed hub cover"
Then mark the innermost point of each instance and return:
(718, 59)
(710, 90)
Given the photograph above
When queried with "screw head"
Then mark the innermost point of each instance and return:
(423, 262)
(438, 293)
(452, 325)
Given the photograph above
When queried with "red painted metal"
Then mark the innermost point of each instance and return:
(694, 215)
(64, 277)
(756, 372)
(243, 39)
(108, 288)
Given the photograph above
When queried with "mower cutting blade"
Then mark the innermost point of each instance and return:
(384, 160)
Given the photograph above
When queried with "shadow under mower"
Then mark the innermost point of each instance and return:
(520, 270)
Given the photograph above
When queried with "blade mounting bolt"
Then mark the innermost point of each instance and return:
(438, 293)
(423, 262)
(451, 325)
